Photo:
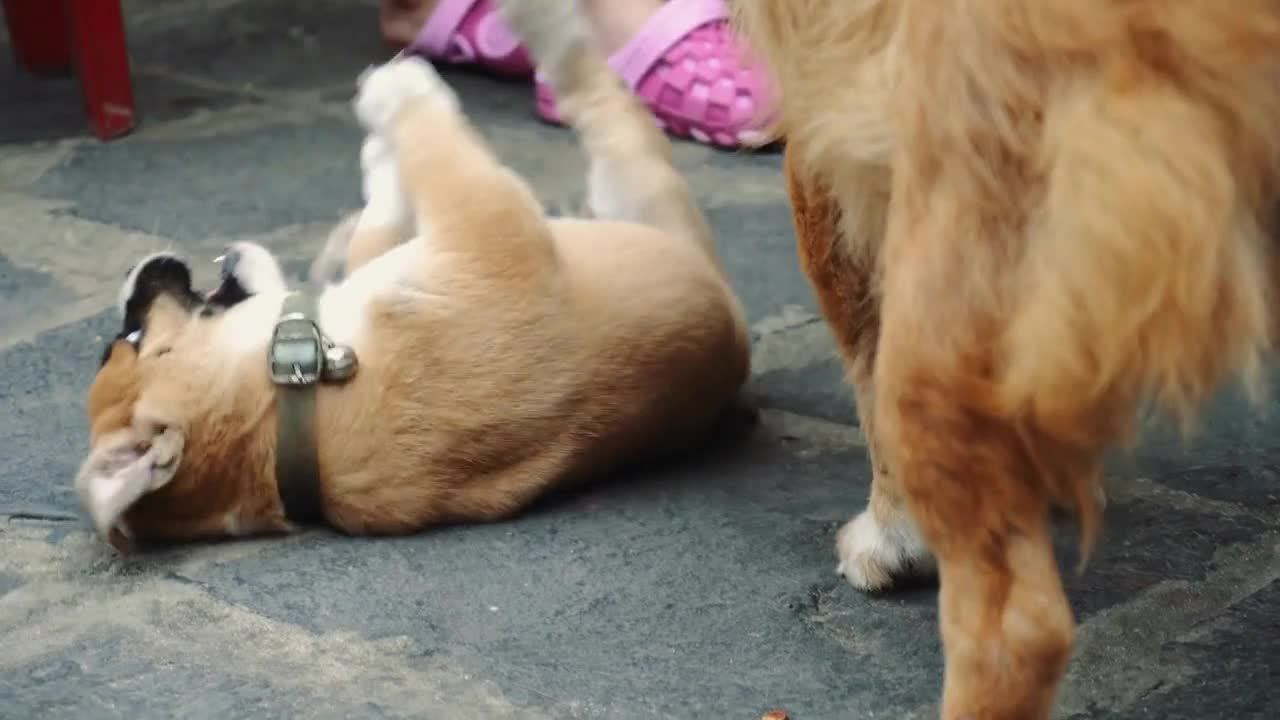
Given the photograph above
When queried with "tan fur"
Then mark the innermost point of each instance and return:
(1063, 209)
(369, 244)
(525, 353)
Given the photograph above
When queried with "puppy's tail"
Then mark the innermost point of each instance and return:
(1147, 276)
(631, 176)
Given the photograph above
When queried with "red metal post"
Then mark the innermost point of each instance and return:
(96, 30)
(38, 32)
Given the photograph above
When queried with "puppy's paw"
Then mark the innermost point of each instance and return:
(384, 89)
(253, 268)
(873, 555)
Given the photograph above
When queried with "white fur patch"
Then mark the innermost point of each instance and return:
(873, 555)
(344, 308)
(257, 270)
(247, 326)
(385, 202)
(385, 88)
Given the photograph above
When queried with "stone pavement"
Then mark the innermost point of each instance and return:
(702, 590)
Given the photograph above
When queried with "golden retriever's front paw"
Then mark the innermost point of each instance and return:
(384, 89)
(873, 555)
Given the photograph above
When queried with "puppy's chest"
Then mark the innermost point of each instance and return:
(399, 275)
(343, 310)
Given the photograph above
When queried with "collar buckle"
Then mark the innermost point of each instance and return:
(297, 351)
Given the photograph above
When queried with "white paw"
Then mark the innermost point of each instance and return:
(872, 555)
(254, 268)
(383, 90)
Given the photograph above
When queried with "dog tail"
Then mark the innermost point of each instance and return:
(1147, 273)
(630, 175)
(800, 42)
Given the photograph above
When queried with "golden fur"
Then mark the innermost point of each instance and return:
(514, 354)
(1023, 219)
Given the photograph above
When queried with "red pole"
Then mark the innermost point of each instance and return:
(96, 29)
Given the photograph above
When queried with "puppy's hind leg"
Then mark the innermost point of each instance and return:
(630, 175)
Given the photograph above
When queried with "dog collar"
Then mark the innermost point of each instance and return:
(300, 357)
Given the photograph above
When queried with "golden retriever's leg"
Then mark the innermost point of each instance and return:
(973, 486)
(1006, 625)
(466, 203)
(881, 544)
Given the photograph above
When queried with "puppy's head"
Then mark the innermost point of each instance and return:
(158, 424)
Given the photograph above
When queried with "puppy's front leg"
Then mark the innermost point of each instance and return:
(387, 218)
(385, 221)
(465, 201)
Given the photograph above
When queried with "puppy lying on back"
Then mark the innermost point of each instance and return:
(500, 353)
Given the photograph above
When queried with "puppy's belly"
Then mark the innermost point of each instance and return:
(665, 344)
(670, 348)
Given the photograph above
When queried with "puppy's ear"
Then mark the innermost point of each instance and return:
(158, 275)
(124, 466)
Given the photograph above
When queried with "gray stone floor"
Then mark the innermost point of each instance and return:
(703, 590)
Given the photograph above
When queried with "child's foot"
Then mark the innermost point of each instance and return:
(685, 63)
(456, 32)
(680, 57)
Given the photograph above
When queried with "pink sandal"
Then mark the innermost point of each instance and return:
(685, 64)
(472, 32)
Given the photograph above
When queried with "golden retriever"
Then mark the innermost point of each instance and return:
(1023, 219)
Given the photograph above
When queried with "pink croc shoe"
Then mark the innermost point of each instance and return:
(686, 65)
(472, 32)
